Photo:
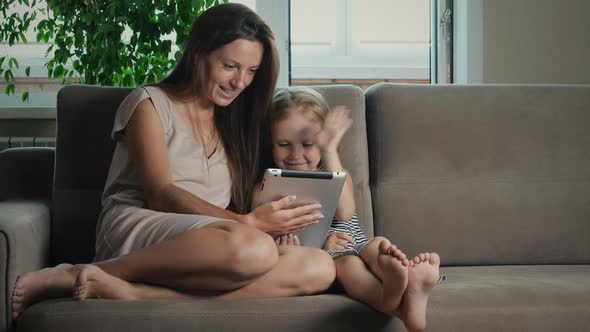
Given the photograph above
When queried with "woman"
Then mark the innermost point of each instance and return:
(175, 218)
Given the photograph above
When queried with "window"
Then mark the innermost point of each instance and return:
(32, 54)
(361, 39)
(331, 41)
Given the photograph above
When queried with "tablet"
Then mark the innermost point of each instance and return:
(322, 187)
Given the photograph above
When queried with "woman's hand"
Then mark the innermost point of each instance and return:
(337, 241)
(283, 217)
(335, 126)
(287, 239)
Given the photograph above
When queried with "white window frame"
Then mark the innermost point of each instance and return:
(468, 39)
(351, 65)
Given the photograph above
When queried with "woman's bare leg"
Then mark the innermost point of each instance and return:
(223, 256)
(32, 287)
(313, 267)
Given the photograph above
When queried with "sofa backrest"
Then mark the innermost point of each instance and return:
(84, 151)
(83, 154)
(482, 174)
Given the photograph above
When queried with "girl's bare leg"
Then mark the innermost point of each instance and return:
(390, 265)
(223, 256)
(314, 269)
(379, 278)
(422, 276)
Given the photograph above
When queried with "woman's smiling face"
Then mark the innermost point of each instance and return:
(231, 70)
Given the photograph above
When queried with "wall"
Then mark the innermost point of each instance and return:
(536, 41)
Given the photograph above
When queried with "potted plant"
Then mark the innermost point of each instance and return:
(101, 42)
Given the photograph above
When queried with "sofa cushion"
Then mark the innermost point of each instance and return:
(312, 313)
(493, 174)
(491, 298)
(512, 298)
(26, 173)
(83, 154)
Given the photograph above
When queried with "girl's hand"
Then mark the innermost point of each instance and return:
(336, 124)
(337, 241)
(283, 217)
(287, 239)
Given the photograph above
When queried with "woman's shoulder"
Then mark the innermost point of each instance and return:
(136, 100)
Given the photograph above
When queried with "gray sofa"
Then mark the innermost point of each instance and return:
(494, 178)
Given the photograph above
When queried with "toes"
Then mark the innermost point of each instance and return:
(384, 247)
(417, 260)
(422, 257)
(427, 257)
(434, 259)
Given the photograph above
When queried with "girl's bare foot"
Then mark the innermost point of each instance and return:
(394, 268)
(32, 287)
(422, 276)
(92, 282)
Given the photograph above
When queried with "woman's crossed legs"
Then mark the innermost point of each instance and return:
(222, 260)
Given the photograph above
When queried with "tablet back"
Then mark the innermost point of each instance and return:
(322, 187)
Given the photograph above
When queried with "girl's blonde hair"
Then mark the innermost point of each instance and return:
(301, 99)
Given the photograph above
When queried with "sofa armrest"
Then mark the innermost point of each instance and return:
(24, 245)
(26, 173)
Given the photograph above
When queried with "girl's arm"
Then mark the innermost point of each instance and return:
(147, 148)
(335, 126)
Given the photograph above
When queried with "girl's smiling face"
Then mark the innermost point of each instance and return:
(293, 141)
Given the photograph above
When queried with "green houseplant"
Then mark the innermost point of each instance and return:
(101, 42)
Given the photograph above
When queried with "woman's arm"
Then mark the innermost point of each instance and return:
(147, 148)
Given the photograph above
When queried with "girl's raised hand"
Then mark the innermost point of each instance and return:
(284, 216)
(335, 126)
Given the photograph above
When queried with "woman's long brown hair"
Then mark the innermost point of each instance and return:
(240, 125)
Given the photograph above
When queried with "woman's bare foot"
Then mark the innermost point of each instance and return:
(32, 287)
(422, 276)
(94, 283)
(394, 268)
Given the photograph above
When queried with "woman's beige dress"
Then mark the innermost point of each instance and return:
(125, 225)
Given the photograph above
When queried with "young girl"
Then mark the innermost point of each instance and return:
(305, 136)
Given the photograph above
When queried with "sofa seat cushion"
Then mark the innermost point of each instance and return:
(512, 298)
(324, 313)
(487, 298)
